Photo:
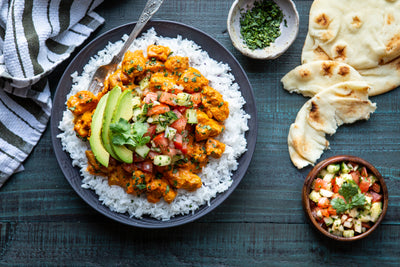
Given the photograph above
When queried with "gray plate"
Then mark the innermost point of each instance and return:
(166, 29)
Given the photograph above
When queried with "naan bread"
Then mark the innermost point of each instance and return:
(310, 78)
(361, 33)
(364, 34)
(341, 103)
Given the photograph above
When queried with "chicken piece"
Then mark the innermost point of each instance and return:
(177, 64)
(159, 81)
(154, 66)
(192, 80)
(206, 127)
(138, 183)
(158, 52)
(214, 104)
(198, 153)
(134, 63)
(159, 188)
(94, 167)
(183, 178)
(118, 176)
(118, 78)
(82, 102)
(82, 125)
(214, 148)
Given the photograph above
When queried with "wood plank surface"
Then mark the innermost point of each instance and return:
(43, 222)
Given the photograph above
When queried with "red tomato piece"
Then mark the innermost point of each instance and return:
(335, 187)
(151, 131)
(375, 197)
(323, 202)
(356, 176)
(320, 184)
(364, 186)
(129, 167)
(158, 109)
(160, 140)
(180, 143)
(179, 124)
(168, 98)
(325, 212)
(178, 113)
(331, 211)
(364, 172)
(376, 187)
(150, 97)
(181, 109)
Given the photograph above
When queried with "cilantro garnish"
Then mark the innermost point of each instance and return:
(124, 133)
(349, 191)
(260, 25)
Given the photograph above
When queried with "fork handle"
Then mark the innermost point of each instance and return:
(151, 7)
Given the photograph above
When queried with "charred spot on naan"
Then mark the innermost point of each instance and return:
(344, 70)
(323, 20)
(356, 23)
(327, 68)
(394, 44)
(305, 73)
(340, 51)
(389, 19)
(315, 113)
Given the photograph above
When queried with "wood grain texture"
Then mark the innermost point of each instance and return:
(44, 223)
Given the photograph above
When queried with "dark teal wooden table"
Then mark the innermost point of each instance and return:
(44, 222)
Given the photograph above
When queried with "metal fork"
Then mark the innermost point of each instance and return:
(101, 73)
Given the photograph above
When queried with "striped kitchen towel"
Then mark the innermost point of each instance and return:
(35, 36)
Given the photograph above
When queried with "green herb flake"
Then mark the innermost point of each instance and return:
(259, 26)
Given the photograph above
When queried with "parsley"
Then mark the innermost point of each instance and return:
(125, 133)
(349, 191)
(260, 25)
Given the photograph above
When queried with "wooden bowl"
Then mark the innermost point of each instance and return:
(289, 30)
(313, 175)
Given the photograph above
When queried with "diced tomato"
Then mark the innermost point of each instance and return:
(168, 98)
(376, 187)
(336, 195)
(180, 144)
(364, 172)
(152, 154)
(161, 141)
(323, 202)
(150, 97)
(331, 211)
(196, 98)
(335, 186)
(151, 131)
(364, 186)
(177, 112)
(182, 109)
(320, 184)
(179, 124)
(146, 166)
(356, 176)
(366, 225)
(129, 167)
(375, 197)
(158, 109)
(137, 158)
(325, 212)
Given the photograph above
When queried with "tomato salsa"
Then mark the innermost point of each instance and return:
(346, 199)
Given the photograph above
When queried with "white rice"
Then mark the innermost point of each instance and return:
(216, 176)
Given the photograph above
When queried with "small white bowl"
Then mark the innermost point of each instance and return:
(280, 45)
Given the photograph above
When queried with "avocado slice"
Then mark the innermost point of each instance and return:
(100, 153)
(108, 115)
(124, 109)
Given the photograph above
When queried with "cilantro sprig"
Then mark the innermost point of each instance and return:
(124, 133)
(352, 198)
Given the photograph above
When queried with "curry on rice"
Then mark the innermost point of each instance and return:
(176, 118)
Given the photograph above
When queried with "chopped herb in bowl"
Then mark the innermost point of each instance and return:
(260, 26)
